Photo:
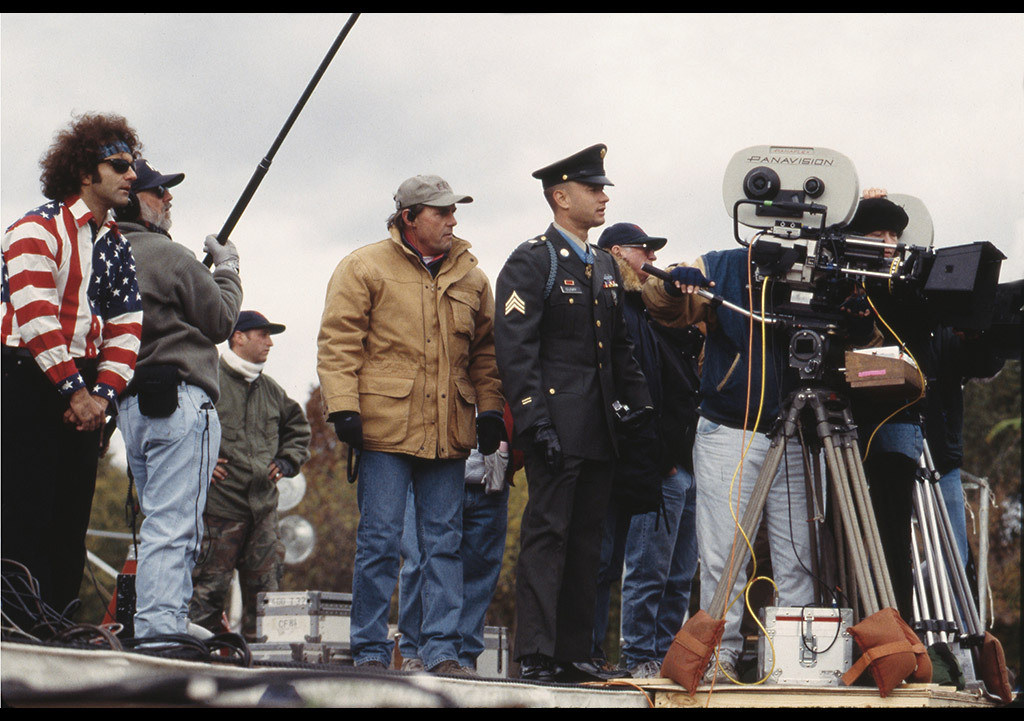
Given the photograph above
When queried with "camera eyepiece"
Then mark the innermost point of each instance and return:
(761, 184)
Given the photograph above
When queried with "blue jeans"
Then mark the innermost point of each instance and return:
(172, 460)
(385, 483)
(716, 454)
(660, 560)
(953, 494)
(484, 522)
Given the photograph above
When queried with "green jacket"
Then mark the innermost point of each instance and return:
(259, 423)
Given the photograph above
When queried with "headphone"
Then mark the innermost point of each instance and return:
(131, 212)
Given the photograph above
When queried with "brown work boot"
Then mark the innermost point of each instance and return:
(449, 668)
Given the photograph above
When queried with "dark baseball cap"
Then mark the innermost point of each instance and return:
(251, 320)
(148, 177)
(629, 234)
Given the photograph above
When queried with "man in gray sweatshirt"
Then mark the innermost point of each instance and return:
(167, 415)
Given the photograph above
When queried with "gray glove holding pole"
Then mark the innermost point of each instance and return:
(224, 255)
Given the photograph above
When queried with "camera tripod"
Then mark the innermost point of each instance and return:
(860, 561)
(944, 608)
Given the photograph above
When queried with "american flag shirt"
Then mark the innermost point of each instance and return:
(69, 291)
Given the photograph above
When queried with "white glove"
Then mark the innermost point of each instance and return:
(225, 255)
(494, 471)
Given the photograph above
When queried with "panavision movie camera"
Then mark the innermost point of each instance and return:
(798, 201)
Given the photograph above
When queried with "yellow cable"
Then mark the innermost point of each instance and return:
(732, 485)
(764, 631)
(754, 577)
(920, 373)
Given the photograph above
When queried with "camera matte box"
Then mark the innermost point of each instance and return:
(961, 285)
(812, 646)
(321, 617)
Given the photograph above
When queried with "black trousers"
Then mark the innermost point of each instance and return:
(559, 557)
(47, 480)
(891, 485)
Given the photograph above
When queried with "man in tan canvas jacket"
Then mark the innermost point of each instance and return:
(408, 375)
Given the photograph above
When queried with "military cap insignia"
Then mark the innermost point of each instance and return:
(514, 302)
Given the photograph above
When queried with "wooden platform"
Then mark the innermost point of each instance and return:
(38, 676)
(670, 695)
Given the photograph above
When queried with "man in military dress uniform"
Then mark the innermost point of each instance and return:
(564, 361)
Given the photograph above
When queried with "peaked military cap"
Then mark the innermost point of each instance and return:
(629, 234)
(586, 166)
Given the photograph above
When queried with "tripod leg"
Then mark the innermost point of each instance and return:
(749, 522)
(814, 516)
(859, 483)
(922, 614)
(972, 621)
(935, 572)
(848, 516)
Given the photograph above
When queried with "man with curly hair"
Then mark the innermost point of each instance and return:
(71, 323)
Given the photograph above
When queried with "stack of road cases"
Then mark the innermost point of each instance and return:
(303, 626)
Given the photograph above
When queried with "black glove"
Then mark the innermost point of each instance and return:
(684, 275)
(490, 431)
(349, 427)
(545, 441)
(860, 322)
(635, 420)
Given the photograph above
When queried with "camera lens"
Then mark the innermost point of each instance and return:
(814, 187)
(761, 184)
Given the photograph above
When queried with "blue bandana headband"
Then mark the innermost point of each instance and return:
(118, 146)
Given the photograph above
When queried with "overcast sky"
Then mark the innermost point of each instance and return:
(925, 105)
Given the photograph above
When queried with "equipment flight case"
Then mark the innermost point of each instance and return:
(303, 626)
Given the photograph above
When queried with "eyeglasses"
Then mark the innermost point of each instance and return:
(120, 165)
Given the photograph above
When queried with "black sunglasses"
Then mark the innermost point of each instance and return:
(120, 165)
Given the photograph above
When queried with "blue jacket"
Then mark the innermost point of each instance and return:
(727, 355)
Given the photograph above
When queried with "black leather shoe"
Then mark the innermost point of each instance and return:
(538, 667)
(590, 670)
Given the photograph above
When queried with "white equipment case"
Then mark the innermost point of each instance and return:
(812, 646)
(303, 617)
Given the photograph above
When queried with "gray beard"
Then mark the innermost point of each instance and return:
(630, 278)
(160, 220)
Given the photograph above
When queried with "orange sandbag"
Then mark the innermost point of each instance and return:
(886, 651)
(691, 650)
(923, 672)
(992, 668)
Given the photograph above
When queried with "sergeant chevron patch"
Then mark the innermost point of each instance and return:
(514, 302)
